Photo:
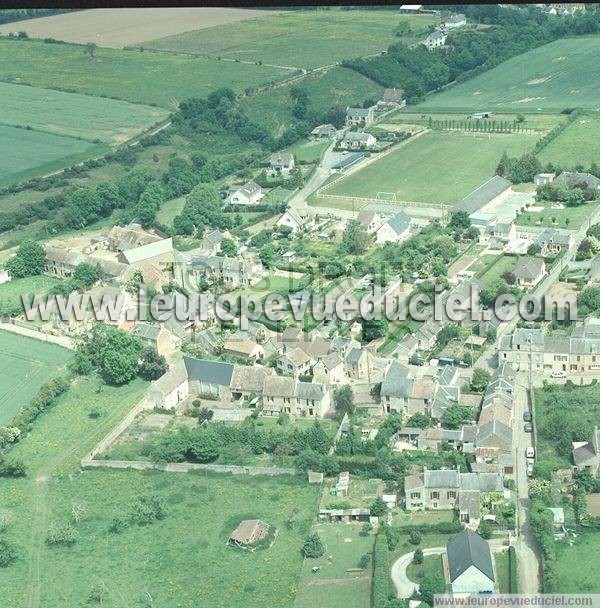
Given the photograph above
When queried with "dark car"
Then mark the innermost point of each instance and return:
(528, 427)
(527, 416)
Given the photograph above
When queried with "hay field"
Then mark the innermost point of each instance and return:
(120, 27)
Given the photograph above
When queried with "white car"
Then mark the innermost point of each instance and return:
(558, 374)
(530, 462)
(530, 452)
(529, 470)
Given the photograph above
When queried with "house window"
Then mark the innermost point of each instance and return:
(451, 495)
(415, 495)
(434, 495)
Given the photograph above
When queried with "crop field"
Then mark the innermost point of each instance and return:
(120, 27)
(325, 89)
(306, 39)
(25, 364)
(81, 116)
(578, 144)
(182, 560)
(562, 74)
(437, 167)
(162, 79)
(27, 153)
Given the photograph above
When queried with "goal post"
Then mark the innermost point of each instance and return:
(386, 196)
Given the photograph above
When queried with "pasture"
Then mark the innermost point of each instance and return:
(81, 116)
(25, 364)
(325, 89)
(119, 27)
(578, 144)
(28, 153)
(577, 564)
(567, 217)
(306, 39)
(558, 75)
(167, 560)
(162, 79)
(435, 168)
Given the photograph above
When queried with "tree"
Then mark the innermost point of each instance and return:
(485, 530)
(364, 561)
(419, 420)
(414, 537)
(355, 239)
(62, 533)
(374, 328)
(8, 553)
(460, 220)
(343, 400)
(455, 415)
(313, 546)
(90, 50)
(336, 115)
(481, 378)
(379, 508)
(87, 274)
(29, 260)
(150, 201)
(418, 557)
(228, 248)
(534, 249)
(432, 584)
(152, 365)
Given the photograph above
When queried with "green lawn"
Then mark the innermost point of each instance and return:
(438, 167)
(25, 364)
(578, 144)
(496, 268)
(28, 153)
(182, 561)
(308, 151)
(577, 565)
(501, 560)
(569, 217)
(11, 291)
(333, 586)
(149, 77)
(307, 39)
(169, 209)
(562, 74)
(325, 89)
(431, 564)
(80, 116)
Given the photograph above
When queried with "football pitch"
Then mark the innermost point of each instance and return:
(435, 168)
(25, 364)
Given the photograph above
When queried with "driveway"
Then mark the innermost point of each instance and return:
(404, 586)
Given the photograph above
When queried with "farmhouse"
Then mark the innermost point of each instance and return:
(353, 140)
(540, 179)
(457, 20)
(171, 388)
(244, 348)
(359, 117)
(294, 361)
(249, 193)
(468, 565)
(324, 131)
(396, 229)
(122, 238)
(493, 191)
(299, 220)
(359, 364)
(585, 181)
(369, 220)
(281, 164)
(159, 253)
(552, 241)
(156, 336)
(249, 533)
(392, 98)
(62, 262)
(436, 39)
(289, 395)
(329, 369)
(529, 271)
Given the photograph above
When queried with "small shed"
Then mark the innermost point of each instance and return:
(249, 533)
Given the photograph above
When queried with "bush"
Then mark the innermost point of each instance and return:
(364, 561)
(147, 510)
(418, 557)
(513, 581)
(62, 533)
(313, 546)
(415, 538)
(8, 553)
(381, 573)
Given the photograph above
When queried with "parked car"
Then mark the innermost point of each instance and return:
(527, 416)
(529, 470)
(528, 427)
(558, 374)
(530, 462)
(530, 452)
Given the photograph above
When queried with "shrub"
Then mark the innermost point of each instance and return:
(313, 546)
(364, 561)
(414, 538)
(381, 572)
(418, 557)
(8, 553)
(62, 533)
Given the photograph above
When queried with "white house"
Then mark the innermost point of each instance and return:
(468, 565)
(296, 219)
(457, 20)
(353, 140)
(396, 229)
(324, 131)
(281, 164)
(249, 193)
(361, 117)
(369, 220)
(436, 39)
(529, 271)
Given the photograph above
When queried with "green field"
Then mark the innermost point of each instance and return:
(181, 561)
(569, 217)
(325, 89)
(562, 74)
(81, 116)
(305, 39)
(578, 144)
(438, 167)
(25, 364)
(333, 586)
(28, 153)
(148, 78)
(496, 268)
(577, 565)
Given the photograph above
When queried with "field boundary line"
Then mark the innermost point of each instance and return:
(63, 341)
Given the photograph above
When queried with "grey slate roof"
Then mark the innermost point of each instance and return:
(572, 179)
(399, 223)
(483, 195)
(213, 372)
(528, 268)
(147, 331)
(441, 478)
(468, 549)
